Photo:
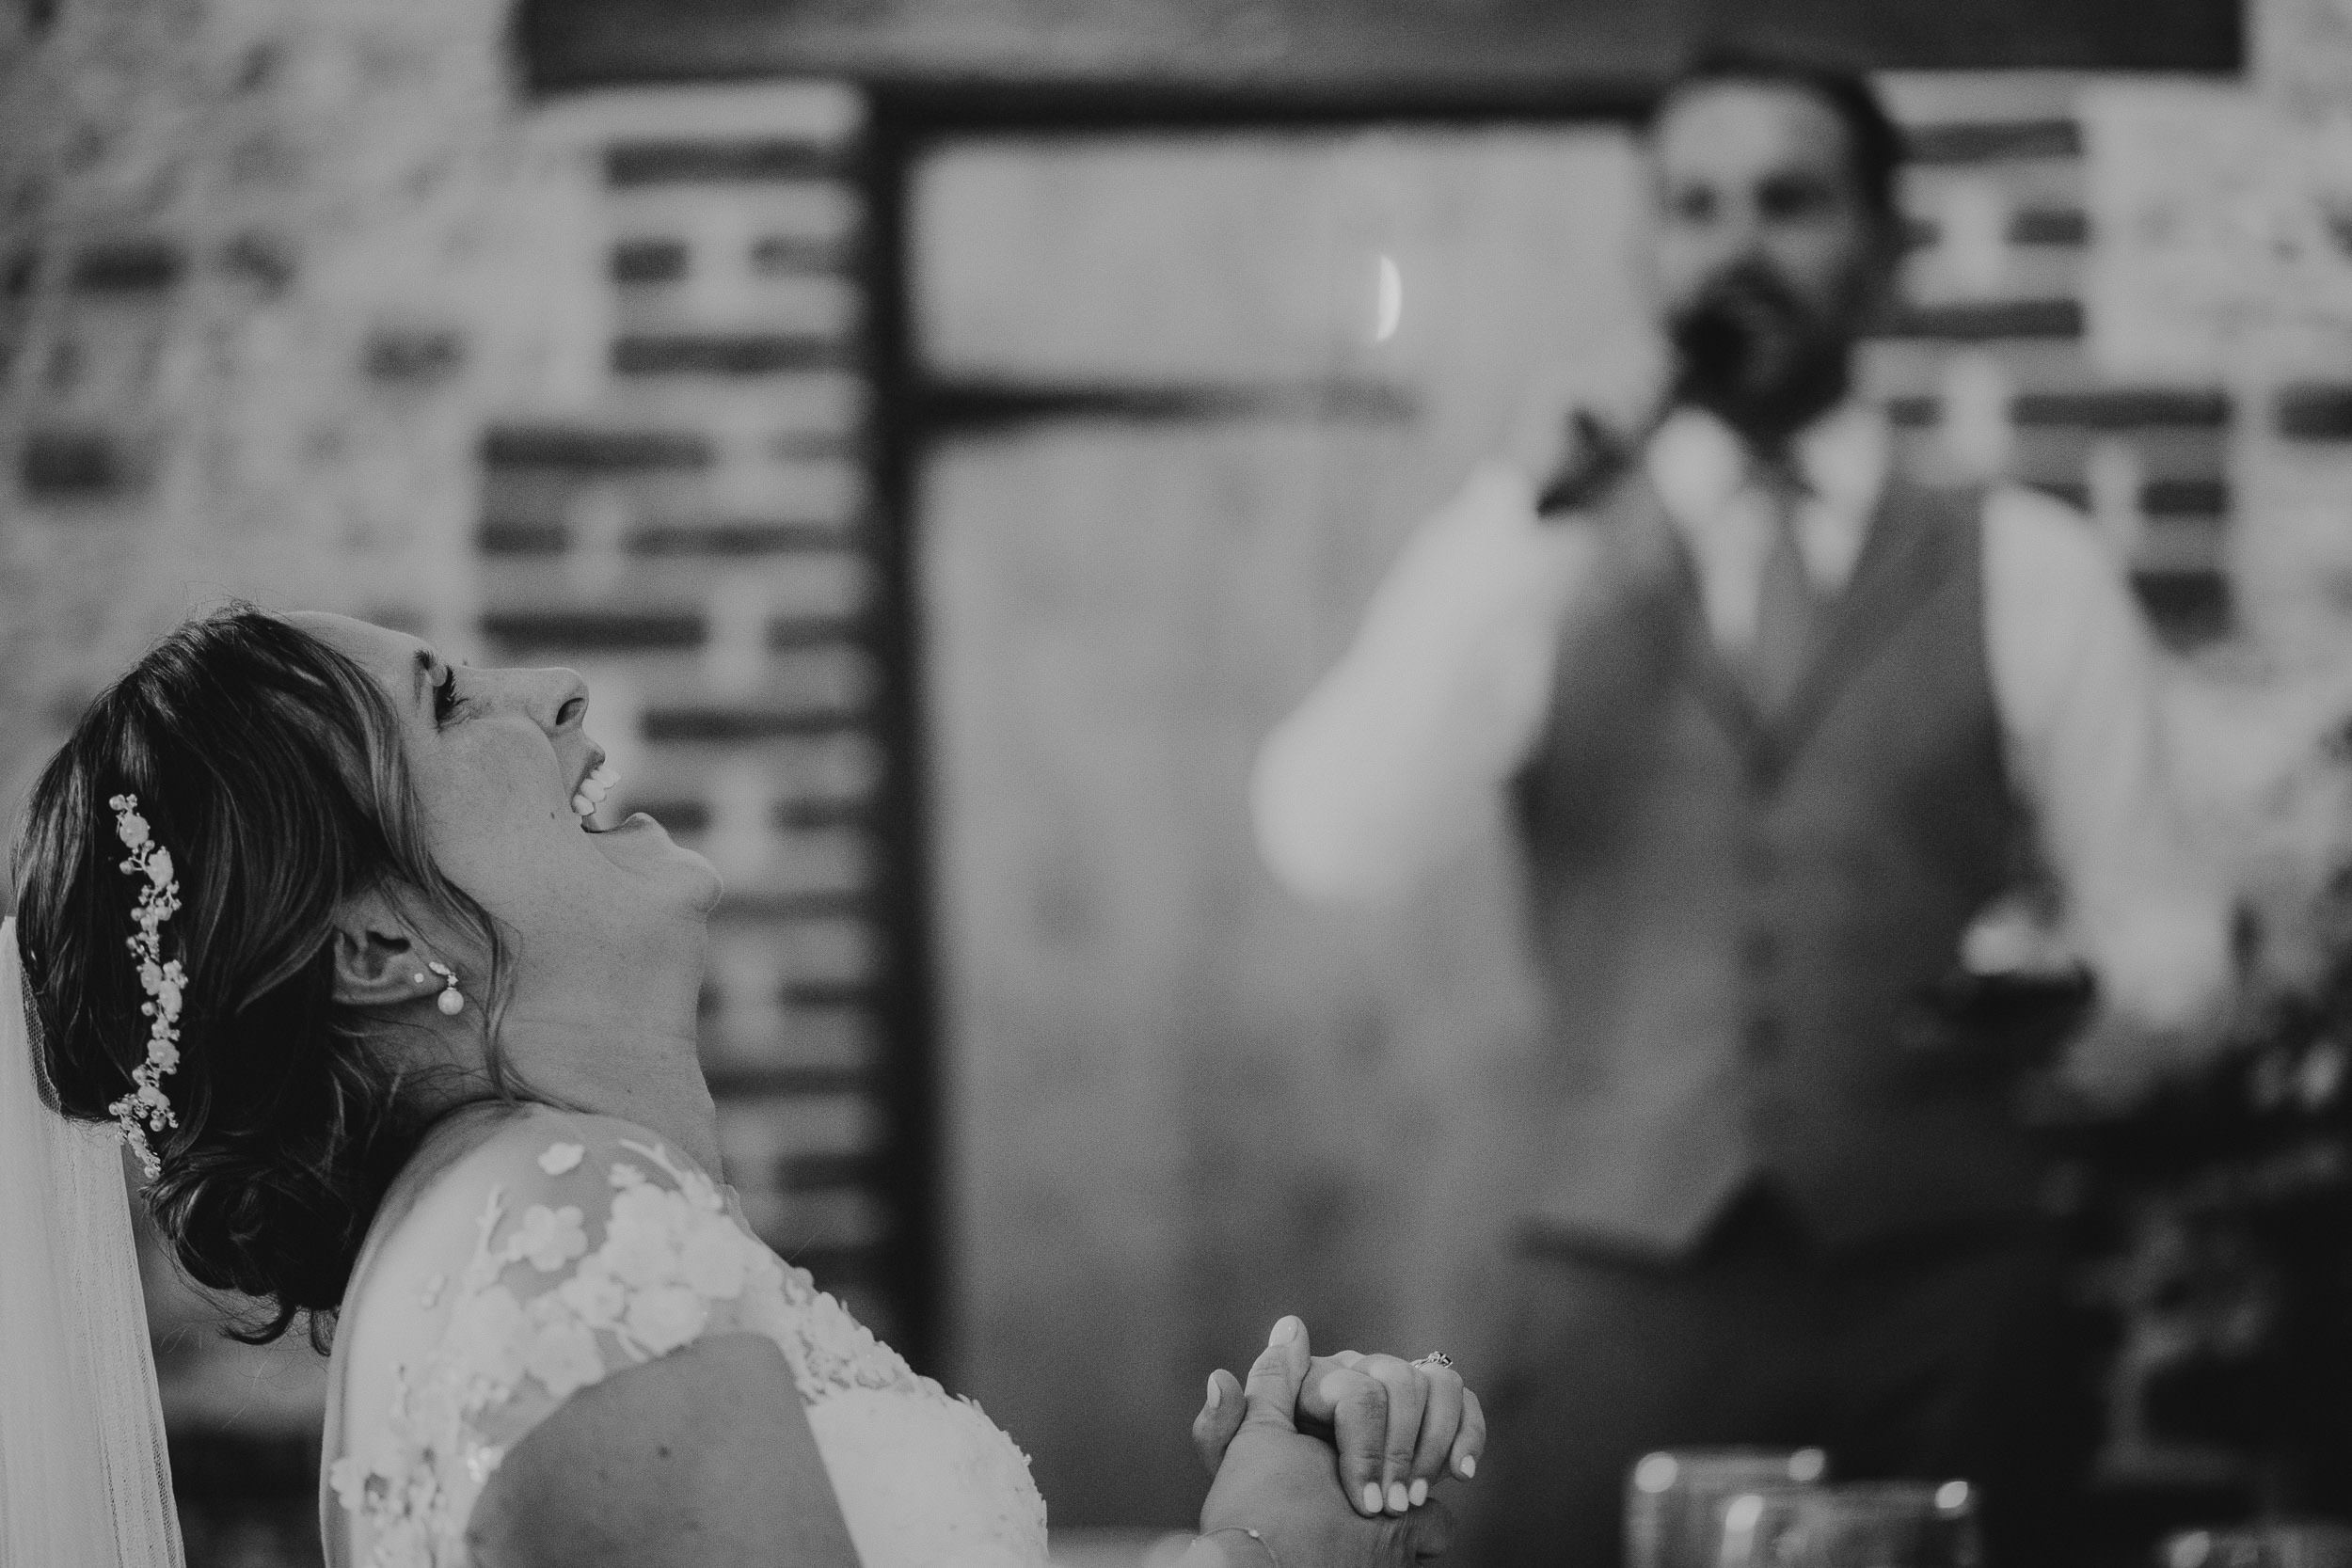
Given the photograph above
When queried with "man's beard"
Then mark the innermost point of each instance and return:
(1750, 351)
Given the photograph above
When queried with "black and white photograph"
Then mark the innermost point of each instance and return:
(1176, 784)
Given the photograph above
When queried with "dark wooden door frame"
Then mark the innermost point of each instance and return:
(912, 412)
(1283, 51)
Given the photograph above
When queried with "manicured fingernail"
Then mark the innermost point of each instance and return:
(1420, 1493)
(1285, 1331)
(584, 806)
(1467, 1464)
(1216, 1395)
(1398, 1500)
(1371, 1497)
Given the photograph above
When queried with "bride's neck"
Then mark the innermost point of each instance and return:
(616, 1038)
(645, 1075)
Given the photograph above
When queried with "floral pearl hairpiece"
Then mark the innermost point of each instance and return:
(145, 1110)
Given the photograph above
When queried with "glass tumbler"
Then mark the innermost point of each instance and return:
(1671, 1498)
(2278, 1544)
(1896, 1524)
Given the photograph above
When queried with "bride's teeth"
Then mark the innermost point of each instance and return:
(592, 792)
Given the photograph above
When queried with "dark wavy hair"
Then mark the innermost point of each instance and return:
(1874, 143)
(271, 767)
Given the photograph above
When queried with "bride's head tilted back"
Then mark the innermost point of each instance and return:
(344, 810)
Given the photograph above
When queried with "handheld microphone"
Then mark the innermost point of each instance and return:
(1711, 347)
(1602, 457)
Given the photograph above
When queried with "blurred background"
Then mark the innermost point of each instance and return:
(948, 435)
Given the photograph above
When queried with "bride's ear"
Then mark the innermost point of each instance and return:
(378, 959)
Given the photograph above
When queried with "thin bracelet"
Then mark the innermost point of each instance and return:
(1245, 1529)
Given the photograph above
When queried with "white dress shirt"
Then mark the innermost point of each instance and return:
(1400, 757)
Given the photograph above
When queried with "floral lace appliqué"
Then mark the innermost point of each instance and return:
(667, 1256)
(543, 1313)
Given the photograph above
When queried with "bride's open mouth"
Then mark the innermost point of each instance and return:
(590, 792)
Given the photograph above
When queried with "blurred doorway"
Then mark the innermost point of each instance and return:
(1181, 395)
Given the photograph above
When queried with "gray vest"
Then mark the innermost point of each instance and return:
(1738, 914)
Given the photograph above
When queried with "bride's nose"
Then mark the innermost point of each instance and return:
(557, 698)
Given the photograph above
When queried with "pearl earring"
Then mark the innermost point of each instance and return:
(451, 1001)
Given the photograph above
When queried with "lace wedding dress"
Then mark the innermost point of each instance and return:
(597, 1248)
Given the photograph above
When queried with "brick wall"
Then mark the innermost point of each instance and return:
(265, 265)
(2210, 1219)
(699, 539)
(301, 308)
(1985, 366)
(297, 302)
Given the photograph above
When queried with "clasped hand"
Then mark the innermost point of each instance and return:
(1331, 1459)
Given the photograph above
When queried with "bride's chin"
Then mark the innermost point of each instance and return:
(682, 878)
(688, 880)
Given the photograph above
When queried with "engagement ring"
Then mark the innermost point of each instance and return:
(1435, 1358)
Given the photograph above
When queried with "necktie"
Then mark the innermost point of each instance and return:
(1787, 607)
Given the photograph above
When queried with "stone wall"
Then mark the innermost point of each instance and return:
(267, 265)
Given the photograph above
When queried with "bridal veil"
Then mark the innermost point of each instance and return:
(85, 1482)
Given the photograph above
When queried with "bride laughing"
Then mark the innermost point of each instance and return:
(328, 931)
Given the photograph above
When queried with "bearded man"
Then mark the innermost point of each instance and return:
(1774, 723)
